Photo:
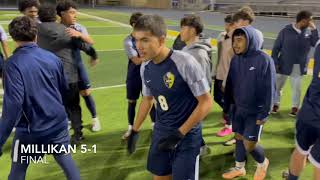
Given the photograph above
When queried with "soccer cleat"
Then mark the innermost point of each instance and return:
(96, 125)
(230, 142)
(126, 134)
(285, 174)
(261, 171)
(275, 109)
(76, 138)
(69, 125)
(294, 112)
(224, 132)
(234, 173)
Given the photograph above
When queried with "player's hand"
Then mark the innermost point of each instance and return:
(132, 141)
(93, 62)
(170, 142)
(260, 122)
(312, 25)
(73, 33)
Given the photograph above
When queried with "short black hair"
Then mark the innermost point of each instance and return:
(24, 4)
(134, 18)
(303, 15)
(192, 21)
(239, 32)
(65, 6)
(228, 18)
(23, 28)
(153, 23)
(47, 13)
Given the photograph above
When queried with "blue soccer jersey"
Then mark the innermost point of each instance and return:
(131, 51)
(174, 83)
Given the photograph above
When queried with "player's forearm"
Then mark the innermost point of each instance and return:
(201, 111)
(87, 39)
(143, 111)
(6, 50)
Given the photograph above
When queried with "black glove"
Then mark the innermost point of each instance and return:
(169, 143)
(132, 141)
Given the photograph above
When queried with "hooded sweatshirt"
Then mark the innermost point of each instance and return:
(200, 51)
(251, 79)
(52, 37)
(292, 47)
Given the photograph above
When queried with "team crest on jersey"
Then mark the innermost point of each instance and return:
(168, 79)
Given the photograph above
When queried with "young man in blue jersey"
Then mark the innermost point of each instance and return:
(67, 10)
(308, 127)
(34, 86)
(177, 83)
(133, 81)
(250, 87)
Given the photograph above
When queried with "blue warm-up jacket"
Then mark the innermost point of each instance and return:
(250, 83)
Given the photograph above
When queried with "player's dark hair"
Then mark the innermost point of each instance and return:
(153, 23)
(65, 6)
(239, 32)
(24, 4)
(134, 18)
(303, 15)
(244, 14)
(47, 13)
(23, 29)
(228, 19)
(193, 21)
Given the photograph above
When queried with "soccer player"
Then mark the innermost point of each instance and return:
(225, 54)
(34, 86)
(133, 82)
(191, 28)
(290, 54)
(308, 127)
(29, 8)
(52, 36)
(67, 10)
(177, 83)
(249, 86)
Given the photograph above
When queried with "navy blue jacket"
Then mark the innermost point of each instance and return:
(34, 83)
(292, 48)
(251, 79)
(310, 109)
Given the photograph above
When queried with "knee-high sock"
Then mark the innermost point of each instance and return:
(91, 105)
(18, 171)
(258, 154)
(70, 169)
(240, 151)
(131, 112)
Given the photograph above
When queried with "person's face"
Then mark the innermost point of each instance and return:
(239, 44)
(31, 12)
(228, 27)
(148, 45)
(241, 23)
(69, 17)
(305, 23)
(186, 33)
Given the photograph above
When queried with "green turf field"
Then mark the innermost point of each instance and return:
(111, 161)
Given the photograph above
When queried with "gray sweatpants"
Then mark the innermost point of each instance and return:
(295, 82)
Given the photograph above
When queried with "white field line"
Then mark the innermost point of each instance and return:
(108, 87)
(106, 20)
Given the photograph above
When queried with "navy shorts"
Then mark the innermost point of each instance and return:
(134, 88)
(245, 125)
(181, 163)
(59, 138)
(308, 142)
(84, 82)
